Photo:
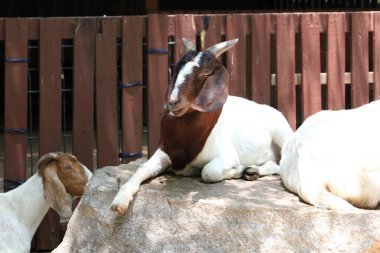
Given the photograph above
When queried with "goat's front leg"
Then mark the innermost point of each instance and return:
(218, 169)
(158, 163)
(253, 172)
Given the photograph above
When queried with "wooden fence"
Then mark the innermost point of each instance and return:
(298, 63)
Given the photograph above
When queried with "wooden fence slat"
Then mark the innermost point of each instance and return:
(106, 94)
(261, 25)
(285, 65)
(359, 59)
(211, 27)
(47, 235)
(376, 55)
(15, 104)
(157, 75)
(236, 27)
(336, 60)
(311, 64)
(184, 28)
(132, 103)
(83, 91)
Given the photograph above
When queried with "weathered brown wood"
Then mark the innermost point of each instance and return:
(48, 234)
(184, 28)
(261, 58)
(106, 94)
(83, 91)
(376, 56)
(311, 64)
(359, 59)
(157, 75)
(15, 104)
(211, 27)
(285, 65)
(336, 60)
(132, 103)
(236, 28)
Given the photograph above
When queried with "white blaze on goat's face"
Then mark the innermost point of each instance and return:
(186, 71)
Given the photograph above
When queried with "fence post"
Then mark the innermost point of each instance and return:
(157, 75)
(15, 104)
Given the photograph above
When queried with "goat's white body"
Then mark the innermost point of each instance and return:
(246, 134)
(21, 211)
(334, 158)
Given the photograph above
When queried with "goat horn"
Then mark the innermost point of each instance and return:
(189, 45)
(222, 47)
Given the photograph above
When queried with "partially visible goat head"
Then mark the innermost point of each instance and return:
(200, 81)
(63, 177)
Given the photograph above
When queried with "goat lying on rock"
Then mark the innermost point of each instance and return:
(333, 159)
(205, 131)
(60, 176)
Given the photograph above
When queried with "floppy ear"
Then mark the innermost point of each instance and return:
(214, 92)
(55, 192)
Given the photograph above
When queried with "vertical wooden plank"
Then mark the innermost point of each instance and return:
(261, 58)
(376, 56)
(184, 28)
(83, 91)
(359, 59)
(106, 94)
(15, 104)
(311, 64)
(50, 85)
(236, 28)
(285, 65)
(211, 30)
(47, 235)
(336, 61)
(132, 121)
(157, 75)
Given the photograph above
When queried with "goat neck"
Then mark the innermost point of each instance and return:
(183, 138)
(28, 202)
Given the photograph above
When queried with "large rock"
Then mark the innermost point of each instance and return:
(177, 214)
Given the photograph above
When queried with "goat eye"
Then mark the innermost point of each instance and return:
(67, 167)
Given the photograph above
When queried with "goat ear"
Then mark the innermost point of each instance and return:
(222, 47)
(189, 45)
(214, 92)
(55, 192)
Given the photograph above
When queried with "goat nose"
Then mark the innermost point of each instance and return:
(174, 101)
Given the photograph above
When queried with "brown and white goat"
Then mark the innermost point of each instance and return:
(60, 176)
(204, 131)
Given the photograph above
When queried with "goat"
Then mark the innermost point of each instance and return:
(60, 176)
(206, 132)
(333, 159)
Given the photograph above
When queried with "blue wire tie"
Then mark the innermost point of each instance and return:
(132, 84)
(16, 60)
(12, 184)
(157, 51)
(130, 154)
(15, 130)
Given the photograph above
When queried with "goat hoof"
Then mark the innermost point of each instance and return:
(118, 208)
(251, 173)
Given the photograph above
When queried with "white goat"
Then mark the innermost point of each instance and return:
(60, 176)
(333, 159)
(205, 131)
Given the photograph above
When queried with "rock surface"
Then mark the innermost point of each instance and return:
(177, 214)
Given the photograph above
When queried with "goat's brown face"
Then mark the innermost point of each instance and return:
(63, 175)
(200, 81)
(72, 175)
